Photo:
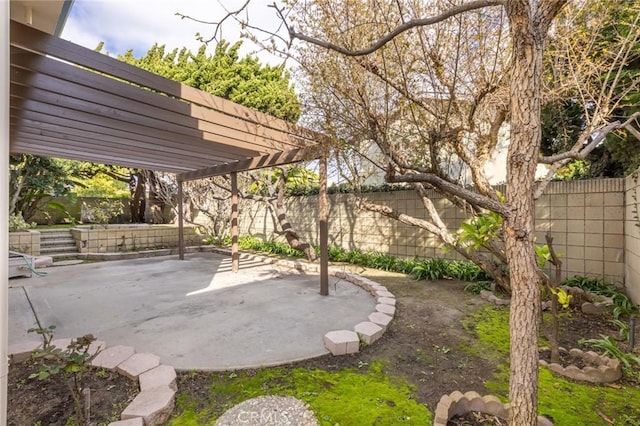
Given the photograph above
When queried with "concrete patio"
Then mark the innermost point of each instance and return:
(193, 314)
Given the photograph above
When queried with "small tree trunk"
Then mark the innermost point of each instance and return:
(137, 187)
(293, 239)
(555, 325)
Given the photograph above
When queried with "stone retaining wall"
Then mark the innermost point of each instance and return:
(99, 239)
(27, 242)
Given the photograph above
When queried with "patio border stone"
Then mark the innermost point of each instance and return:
(608, 369)
(457, 403)
(157, 382)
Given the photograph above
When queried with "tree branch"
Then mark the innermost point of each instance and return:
(452, 188)
(546, 12)
(218, 25)
(453, 11)
(578, 152)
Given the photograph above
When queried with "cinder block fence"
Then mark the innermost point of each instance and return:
(594, 224)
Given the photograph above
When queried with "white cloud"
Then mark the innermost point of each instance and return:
(137, 25)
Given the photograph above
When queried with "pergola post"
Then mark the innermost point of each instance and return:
(323, 215)
(4, 219)
(180, 221)
(235, 256)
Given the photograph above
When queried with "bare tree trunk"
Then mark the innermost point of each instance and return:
(15, 195)
(137, 187)
(519, 229)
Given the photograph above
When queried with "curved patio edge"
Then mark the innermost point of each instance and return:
(343, 342)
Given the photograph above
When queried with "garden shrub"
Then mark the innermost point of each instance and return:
(17, 223)
(431, 269)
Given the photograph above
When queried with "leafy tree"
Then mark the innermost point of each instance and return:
(32, 177)
(245, 80)
(103, 186)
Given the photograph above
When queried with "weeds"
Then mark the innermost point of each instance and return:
(477, 287)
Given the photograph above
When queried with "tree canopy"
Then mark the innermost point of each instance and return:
(244, 80)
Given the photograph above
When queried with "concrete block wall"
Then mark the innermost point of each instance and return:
(586, 219)
(119, 239)
(632, 237)
(27, 242)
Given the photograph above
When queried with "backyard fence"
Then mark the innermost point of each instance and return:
(593, 222)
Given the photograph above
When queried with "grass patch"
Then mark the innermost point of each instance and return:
(491, 326)
(347, 397)
(566, 402)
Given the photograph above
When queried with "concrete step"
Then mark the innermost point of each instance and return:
(58, 249)
(54, 235)
(58, 241)
(58, 257)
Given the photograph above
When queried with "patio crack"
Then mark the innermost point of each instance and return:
(33, 310)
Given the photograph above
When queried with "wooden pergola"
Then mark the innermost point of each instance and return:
(71, 102)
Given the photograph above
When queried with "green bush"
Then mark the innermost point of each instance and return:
(103, 210)
(17, 223)
(431, 269)
(466, 271)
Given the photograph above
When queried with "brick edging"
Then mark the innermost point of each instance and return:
(608, 369)
(157, 382)
(457, 403)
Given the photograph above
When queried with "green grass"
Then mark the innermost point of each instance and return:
(567, 402)
(491, 326)
(347, 397)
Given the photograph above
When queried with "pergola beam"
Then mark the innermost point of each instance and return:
(72, 102)
(270, 160)
(63, 80)
(28, 38)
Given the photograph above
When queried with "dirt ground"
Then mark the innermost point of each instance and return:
(425, 344)
(49, 402)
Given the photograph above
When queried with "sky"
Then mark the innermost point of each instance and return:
(138, 24)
